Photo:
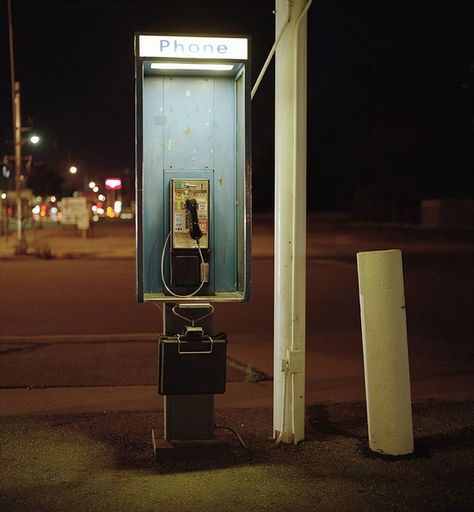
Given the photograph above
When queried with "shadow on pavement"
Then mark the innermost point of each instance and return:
(104, 462)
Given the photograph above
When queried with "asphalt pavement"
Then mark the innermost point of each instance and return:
(66, 446)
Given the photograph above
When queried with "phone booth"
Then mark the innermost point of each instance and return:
(193, 214)
(193, 168)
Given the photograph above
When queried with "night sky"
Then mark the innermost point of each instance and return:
(390, 90)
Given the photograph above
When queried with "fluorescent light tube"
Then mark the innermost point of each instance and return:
(189, 66)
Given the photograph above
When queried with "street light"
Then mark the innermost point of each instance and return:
(73, 169)
(34, 139)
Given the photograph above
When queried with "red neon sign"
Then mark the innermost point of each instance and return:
(113, 183)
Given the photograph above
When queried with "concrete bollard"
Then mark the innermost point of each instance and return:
(384, 340)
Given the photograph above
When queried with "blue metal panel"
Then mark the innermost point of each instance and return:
(190, 125)
(189, 132)
(153, 124)
(243, 256)
(224, 200)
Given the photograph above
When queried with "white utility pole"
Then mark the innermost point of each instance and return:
(290, 221)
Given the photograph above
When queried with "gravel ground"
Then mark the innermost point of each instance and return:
(104, 462)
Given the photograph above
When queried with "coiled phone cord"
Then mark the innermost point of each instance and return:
(163, 271)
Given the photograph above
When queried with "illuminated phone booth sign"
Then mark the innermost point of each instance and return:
(193, 168)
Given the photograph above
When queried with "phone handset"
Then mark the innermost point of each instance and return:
(194, 230)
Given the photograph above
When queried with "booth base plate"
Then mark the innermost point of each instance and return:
(179, 450)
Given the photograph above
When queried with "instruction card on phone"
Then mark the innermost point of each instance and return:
(183, 190)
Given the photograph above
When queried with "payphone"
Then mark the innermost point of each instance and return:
(193, 211)
(188, 237)
(193, 168)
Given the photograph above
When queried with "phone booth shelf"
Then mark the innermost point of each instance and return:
(195, 299)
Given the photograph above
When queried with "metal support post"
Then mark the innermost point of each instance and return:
(188, 419)
(21, 245)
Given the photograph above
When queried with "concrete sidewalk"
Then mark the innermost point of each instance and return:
(103, 462)
(118, 373)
